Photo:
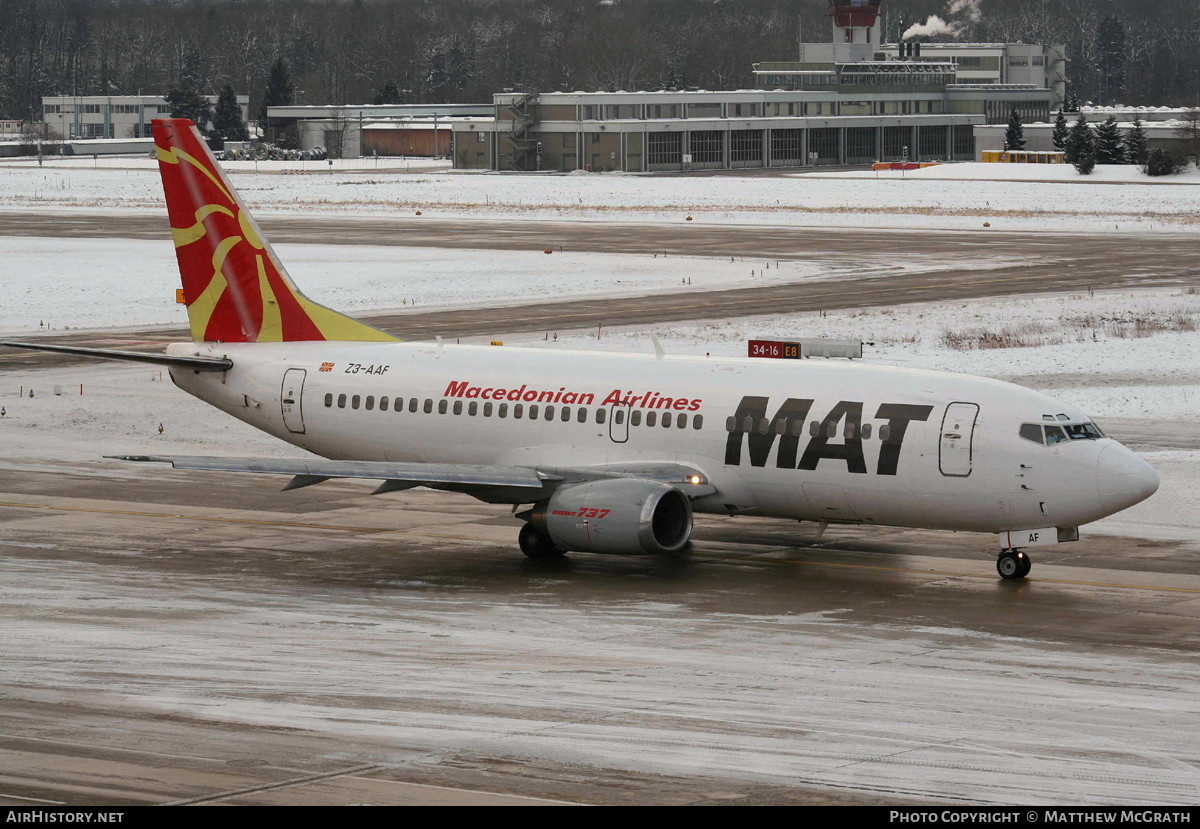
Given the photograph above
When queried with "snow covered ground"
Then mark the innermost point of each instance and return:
(927, 200)
(117, 282)
(1081, 357)
(1102, 174)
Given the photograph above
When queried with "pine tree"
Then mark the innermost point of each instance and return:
(227, 123)
(1109, 147)
(187, 102)
(279, 89)
(1136, 147)
(1014, 136)
(390, 94)
(1081, 146)
(1061, 132)
(1159, 162)
(1080, 132)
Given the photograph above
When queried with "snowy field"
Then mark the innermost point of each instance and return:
(931, 200)
(1077, 352)
(139, 290)
(1103, 174)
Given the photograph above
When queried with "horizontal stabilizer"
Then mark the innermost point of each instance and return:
(194, 363)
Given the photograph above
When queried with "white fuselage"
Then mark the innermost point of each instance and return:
(813, 440)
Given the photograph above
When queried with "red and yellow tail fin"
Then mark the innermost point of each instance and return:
(235, 288)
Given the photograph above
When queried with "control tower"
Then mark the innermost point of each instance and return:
(855, 21)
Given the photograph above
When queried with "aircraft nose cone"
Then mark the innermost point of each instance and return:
(1123, 479)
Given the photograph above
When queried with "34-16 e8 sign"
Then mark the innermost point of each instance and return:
(777, 349)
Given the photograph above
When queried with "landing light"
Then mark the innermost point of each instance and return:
(695, 479)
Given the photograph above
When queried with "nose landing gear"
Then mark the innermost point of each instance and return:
(1013, 564)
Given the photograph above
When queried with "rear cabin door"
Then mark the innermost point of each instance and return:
(291, 400)
(957, 439)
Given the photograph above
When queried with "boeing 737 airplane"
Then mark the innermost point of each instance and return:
(610, 453)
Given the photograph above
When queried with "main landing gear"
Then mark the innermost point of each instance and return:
(1013, 564)
(537, 545)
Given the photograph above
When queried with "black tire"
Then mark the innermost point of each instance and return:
(1026, 565)
(535, 545)
(1009, 565)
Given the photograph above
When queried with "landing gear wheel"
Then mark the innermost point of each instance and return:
(536, 545)
(1013, 564)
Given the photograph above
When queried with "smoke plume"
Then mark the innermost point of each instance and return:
(959, 13)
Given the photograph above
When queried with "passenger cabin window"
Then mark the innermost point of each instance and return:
(601, 414)
(885, 432)
(635, 418)
(458, 407)
(473, 409)
(566, 414)
(412, 405)
(549, 413)
(487, 409)
(355, 401)
(581, 415)
(503, 411)
(680, 421)
(698, 422)
(652, 420)
(328, 401)
(383, 404)
(370, 402)
(533, 410)
(518, 409)
(429, 405)
(443, 405)
(341, 401)
(866, 431)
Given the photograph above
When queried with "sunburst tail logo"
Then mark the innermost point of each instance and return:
(234, 286)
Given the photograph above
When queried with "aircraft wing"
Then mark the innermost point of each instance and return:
(499, 484)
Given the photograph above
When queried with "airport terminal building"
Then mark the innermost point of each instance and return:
(851, 101)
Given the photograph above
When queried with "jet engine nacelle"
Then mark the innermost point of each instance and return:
(618, 516)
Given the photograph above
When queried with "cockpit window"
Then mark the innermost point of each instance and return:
(1083, 431)
(1033, 432)
(1054, 434)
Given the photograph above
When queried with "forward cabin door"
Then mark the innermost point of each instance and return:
(618, 422)
(957, 439)
(291, 400)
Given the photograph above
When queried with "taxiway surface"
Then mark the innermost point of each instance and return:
(203, 638)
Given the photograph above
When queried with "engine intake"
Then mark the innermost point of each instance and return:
(618, 516)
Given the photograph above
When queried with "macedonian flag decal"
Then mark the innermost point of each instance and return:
(234, 286)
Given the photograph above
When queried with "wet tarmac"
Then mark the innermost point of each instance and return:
(204, 638)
